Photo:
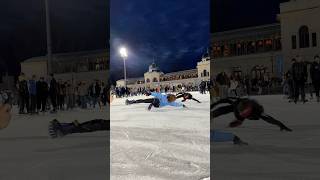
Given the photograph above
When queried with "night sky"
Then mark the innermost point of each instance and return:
(231, 14)
(77, 25)
(174, 32)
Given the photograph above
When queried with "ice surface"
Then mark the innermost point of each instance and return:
(166, 143)
(272, 154)
(27, 153)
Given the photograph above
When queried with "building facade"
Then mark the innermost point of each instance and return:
(78, 66)
(154, 77)
(269, 49)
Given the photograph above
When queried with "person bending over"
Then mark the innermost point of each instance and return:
(244, 108)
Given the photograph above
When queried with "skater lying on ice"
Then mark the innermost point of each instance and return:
(218, 136)
(159, 100)
(244, 108)
(57, 129)
(186, 96)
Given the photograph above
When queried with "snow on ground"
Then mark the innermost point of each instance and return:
(28, 153)
(167, 143)
(272, 154)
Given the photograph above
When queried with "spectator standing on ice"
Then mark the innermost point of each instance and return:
(33, 94)
(23, 94)
(233, 87)
(42, 94)
(315, 76)
(223, 81)
(300, 76)
(53, 93)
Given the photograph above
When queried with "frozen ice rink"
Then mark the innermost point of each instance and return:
(27, 153)
(166, 143)
(272, 154)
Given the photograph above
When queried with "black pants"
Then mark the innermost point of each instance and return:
(42, 102)
(61, 101)
(24, 103)
(54, 101)
(94, 125)
(33, 103)
(299, 89)
(316, 86)
(154, 101)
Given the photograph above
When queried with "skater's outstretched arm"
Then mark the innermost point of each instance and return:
(271, 120)
(196, 100)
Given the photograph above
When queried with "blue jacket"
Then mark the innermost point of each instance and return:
(164, 101)
(32, 87)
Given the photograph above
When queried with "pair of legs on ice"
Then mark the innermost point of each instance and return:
(57, 129)
(153, 102)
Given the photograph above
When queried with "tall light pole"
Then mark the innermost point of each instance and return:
(48, 31)
(124, 55)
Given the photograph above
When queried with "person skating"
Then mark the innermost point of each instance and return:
(186, 96)
(244, 108)
(57, 129)
(159, 100)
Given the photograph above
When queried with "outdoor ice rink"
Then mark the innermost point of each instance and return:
(272, 154)
(27, 153)
(167, 143)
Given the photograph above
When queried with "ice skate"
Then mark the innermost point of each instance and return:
(56, 129)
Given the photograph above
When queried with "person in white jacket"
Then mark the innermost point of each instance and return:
(233, 87)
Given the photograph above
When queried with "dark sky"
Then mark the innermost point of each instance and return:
(77, 25)
(175, 32)
(232, 14)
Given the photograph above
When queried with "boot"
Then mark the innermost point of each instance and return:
(238, 141)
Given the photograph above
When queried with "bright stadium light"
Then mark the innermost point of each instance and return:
(124, 55)
(123, 52)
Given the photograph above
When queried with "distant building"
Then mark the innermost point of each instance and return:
(269, 49)
(154, 77)
(78, 66)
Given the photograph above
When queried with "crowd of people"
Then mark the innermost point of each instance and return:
(38, 95)
(302, 77)
(120, 92)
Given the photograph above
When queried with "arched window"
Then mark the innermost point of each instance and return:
(148, 80)
(304, 37)
(155, 80)
(204, 73)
